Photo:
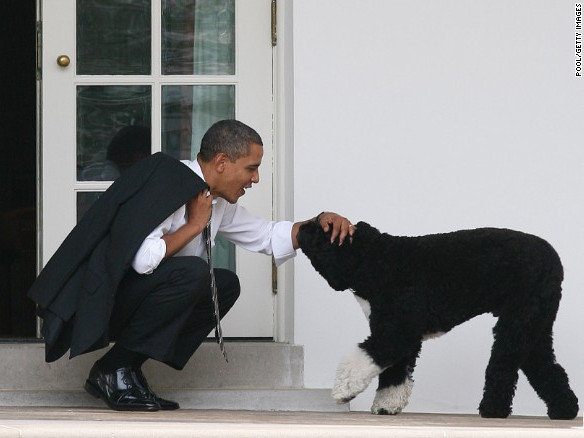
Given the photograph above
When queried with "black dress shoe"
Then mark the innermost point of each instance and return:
(166, 405)
(119, 390)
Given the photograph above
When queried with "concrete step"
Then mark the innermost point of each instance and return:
(299, 400)
(251, 365)
(259, 376)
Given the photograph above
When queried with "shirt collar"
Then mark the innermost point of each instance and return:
(195, 167)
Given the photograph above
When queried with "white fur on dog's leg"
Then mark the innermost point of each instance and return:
(354, 374)
(393, 399)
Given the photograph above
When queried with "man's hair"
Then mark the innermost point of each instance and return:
(231, 137)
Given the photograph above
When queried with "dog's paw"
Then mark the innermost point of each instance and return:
(354, 374)
(392, 400)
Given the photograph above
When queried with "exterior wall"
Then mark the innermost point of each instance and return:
(425, 117)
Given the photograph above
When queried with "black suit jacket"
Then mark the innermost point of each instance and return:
(75, 291)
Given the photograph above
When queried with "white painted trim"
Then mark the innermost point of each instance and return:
(283, 191)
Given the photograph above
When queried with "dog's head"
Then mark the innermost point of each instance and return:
(337, 264)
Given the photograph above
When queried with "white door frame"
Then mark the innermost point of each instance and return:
(253, 23)
(284, 162)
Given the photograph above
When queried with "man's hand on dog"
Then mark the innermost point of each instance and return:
(340, 225)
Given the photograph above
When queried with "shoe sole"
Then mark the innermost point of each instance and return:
(96, 392)
(169, 408)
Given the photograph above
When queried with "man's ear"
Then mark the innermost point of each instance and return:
(219, 161)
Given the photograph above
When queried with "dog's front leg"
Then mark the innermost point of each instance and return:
(354, 374)
(395, 386)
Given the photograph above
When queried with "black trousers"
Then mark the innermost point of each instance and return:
(166, 315)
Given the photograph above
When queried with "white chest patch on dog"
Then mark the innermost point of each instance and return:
(365, 306)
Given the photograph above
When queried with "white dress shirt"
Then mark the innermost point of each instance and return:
(231, 221)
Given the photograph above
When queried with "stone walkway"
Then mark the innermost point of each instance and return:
(76, 422)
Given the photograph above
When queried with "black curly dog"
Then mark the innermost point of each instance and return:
(413, 288)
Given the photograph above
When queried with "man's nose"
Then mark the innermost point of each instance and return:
(255, 177)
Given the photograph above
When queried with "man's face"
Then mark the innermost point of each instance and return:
(241, 174)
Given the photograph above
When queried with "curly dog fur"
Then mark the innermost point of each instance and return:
(412, 288)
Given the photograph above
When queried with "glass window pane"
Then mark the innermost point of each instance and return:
(113, 129)
(84, 201)
(223, 254)
(198, 37)
(114, 37)
(188, 111)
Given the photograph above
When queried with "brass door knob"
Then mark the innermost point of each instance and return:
(63, 61)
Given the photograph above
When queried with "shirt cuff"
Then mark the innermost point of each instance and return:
(282, 248)
(149, 256)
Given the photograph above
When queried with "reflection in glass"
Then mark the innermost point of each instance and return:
(113, 37)
(198, 37)
(188, 111)
(113, 129)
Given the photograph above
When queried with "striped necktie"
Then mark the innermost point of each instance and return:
(218, 332)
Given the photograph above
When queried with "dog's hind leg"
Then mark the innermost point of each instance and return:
(395, 387)
(549, 380)
(507, 354)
